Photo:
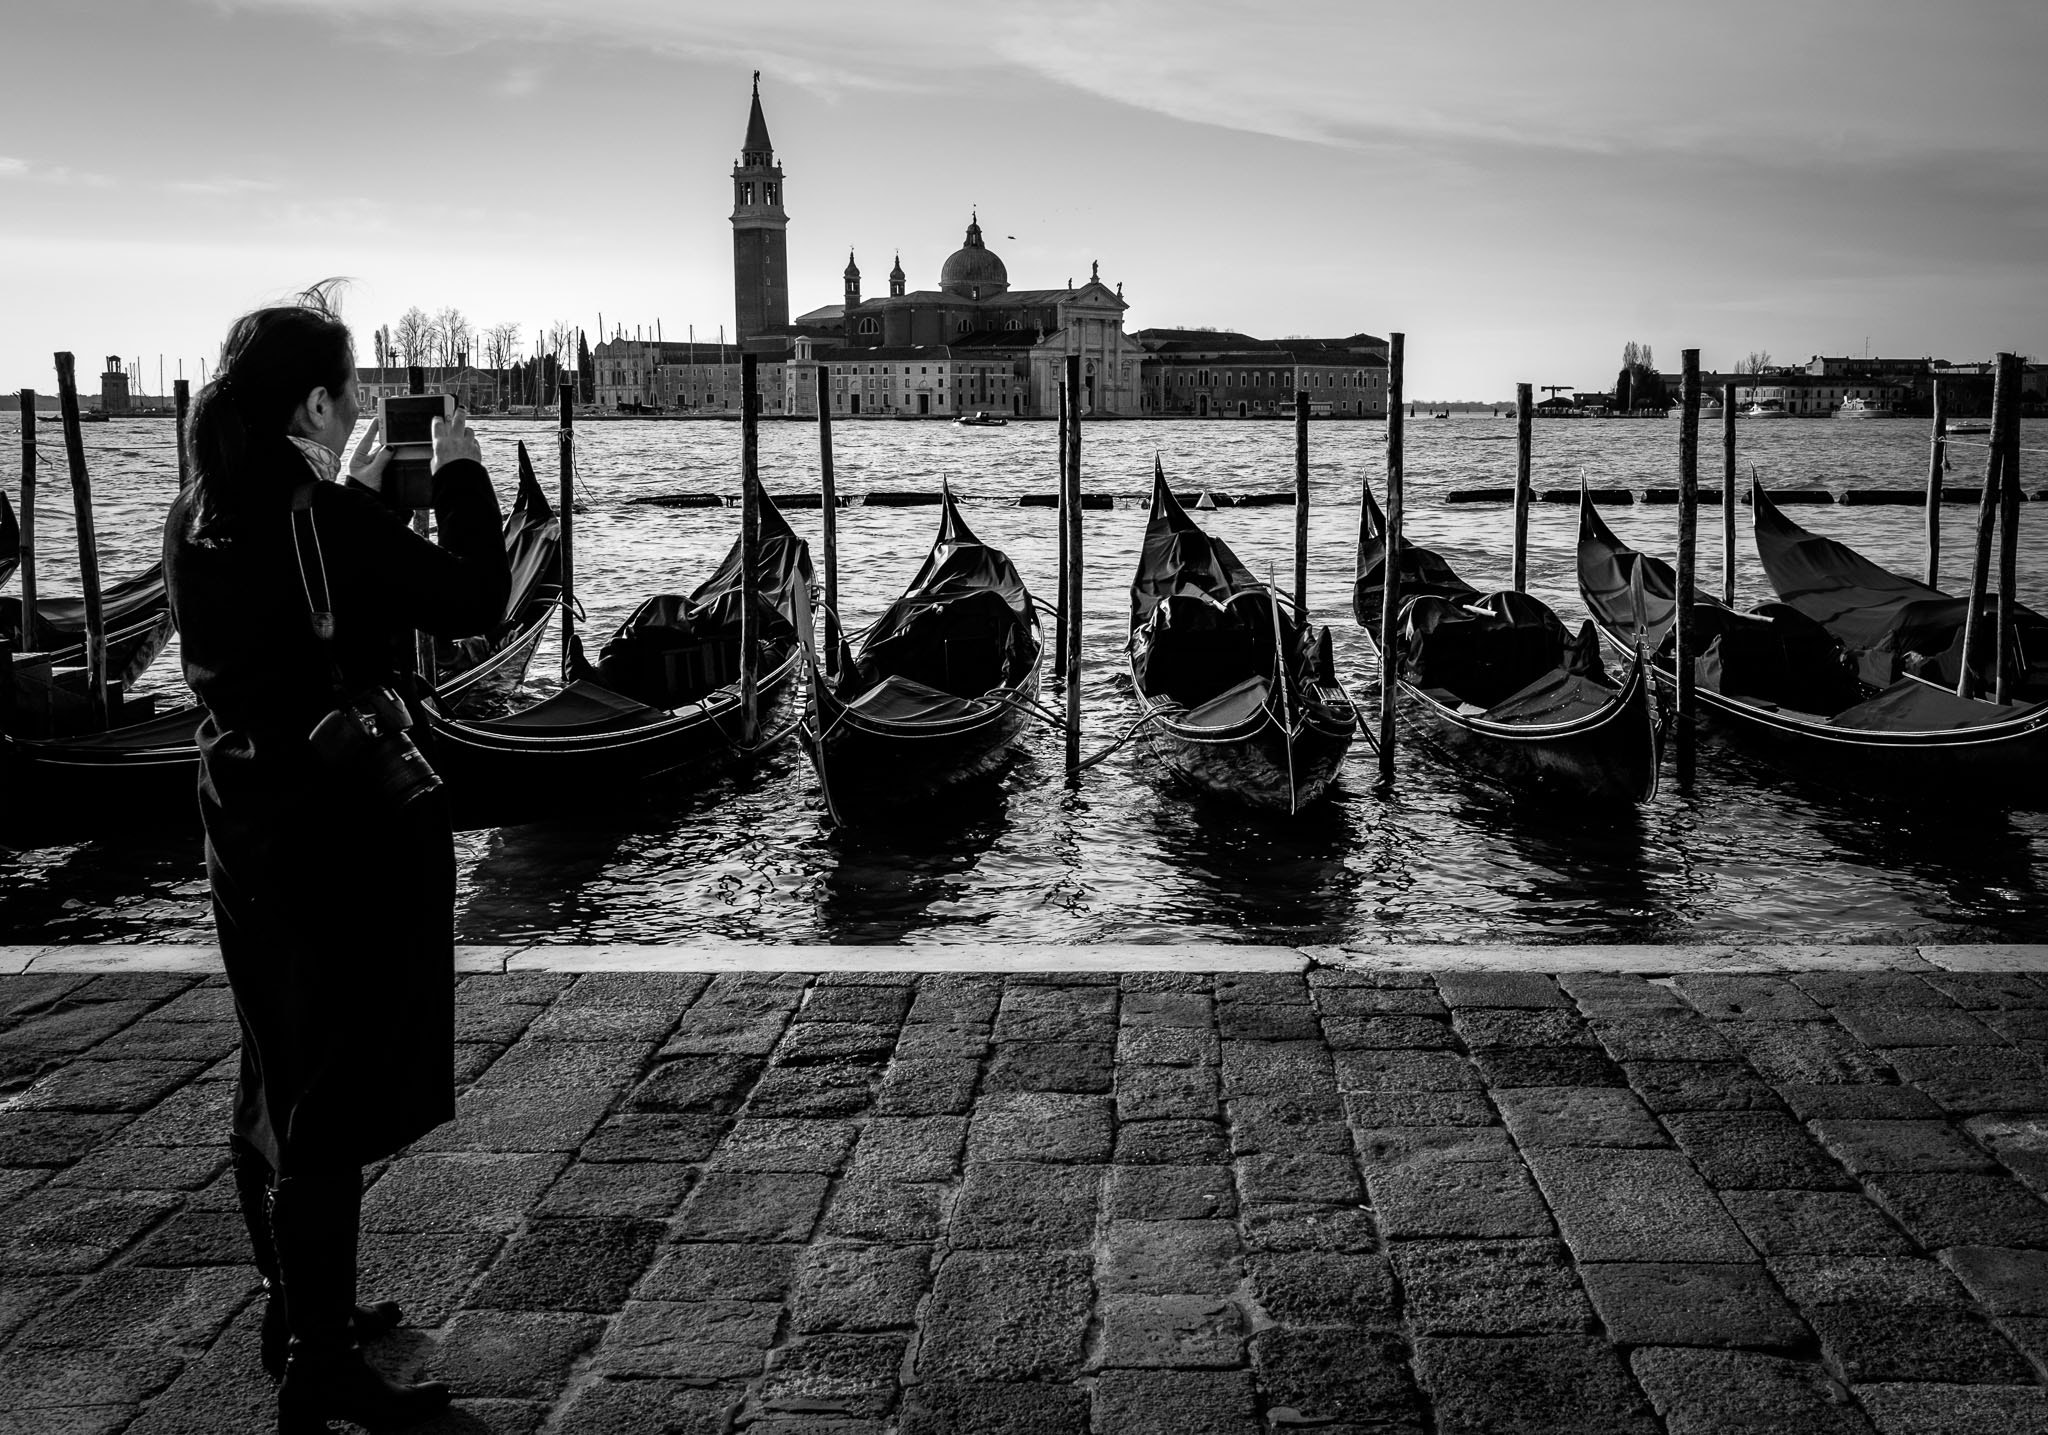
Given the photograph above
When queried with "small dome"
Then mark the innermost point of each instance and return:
(897, 272)
(852, 269)
(972, 269)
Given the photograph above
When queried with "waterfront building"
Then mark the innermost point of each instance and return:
(1013, 342)
(967, 344)
(1210, 373)
(650, 376)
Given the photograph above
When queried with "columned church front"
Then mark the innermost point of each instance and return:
(999, 348)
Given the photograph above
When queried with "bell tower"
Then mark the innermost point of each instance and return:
(760, 255)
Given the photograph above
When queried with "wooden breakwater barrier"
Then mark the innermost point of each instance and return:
(918, 498)
(1783, 497)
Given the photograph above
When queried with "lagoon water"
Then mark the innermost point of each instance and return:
(1753, 854)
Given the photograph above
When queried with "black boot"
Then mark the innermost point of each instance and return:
(313, 1219)
(253, 1178)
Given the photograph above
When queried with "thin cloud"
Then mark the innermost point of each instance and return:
(221, 186)
(55, 174)
(1369, 74)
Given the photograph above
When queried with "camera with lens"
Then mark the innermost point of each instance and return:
(365, 742)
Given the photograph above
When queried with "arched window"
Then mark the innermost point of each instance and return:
(871, 326)
(1013, 324)
(963, 326)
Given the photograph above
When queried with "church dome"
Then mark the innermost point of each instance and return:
(972, 270)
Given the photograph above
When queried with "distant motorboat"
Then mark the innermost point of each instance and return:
(1969, 428)
(981, 419)
(1854, 408)
(1767, 409)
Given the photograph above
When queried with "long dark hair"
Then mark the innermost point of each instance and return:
(271, 360)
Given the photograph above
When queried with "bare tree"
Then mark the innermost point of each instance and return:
(414, 336)
(1631, 354)
(501, 348)
(1649, 359)
(561, 335)
(455, 332)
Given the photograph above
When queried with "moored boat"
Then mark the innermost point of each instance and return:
(1779, 681)
(10, 539)
(940, 690)
(1504, 687)
(148, 765)
(981, 419)
(663, 698)
(1855, 408)
(1767, 409)
(1237, 697)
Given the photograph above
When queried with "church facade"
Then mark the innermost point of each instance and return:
(966, 344)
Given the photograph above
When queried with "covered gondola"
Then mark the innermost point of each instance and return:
(47, 679)
(1890, 626)
(1238, 697)
(10, 540)
(940, 689)
(1779, 682)
(150, 765)
(1503, 685)
(663, 697)
(491, 667)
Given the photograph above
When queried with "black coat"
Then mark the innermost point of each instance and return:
(335, 911)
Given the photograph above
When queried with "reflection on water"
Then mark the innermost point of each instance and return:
(748, 855)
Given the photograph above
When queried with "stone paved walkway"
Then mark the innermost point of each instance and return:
(853, 1203)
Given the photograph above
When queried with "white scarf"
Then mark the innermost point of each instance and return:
(325, 461)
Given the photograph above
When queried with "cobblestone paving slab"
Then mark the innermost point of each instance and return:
(1658, 1190)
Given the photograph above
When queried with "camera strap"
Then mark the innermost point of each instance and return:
(320, 608)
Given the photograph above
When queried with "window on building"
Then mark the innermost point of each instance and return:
(768, 193)
(746, 191)
(870, 326)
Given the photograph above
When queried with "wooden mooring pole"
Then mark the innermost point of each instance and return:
(565, 460)
(2008, 530)
(1688, 561)
(1728, 494)
(1070, 597)
(423, 660)
(1301, 507)
(1390, 587)
(750, 548)
(1937, 461)
(183, 405)
(88, 548)
(29, 463)
(1059, 636)
(828, 501)
(1525, 415)
(1987, 517)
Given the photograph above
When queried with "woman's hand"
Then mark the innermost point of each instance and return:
(453, 440)
(367, 467)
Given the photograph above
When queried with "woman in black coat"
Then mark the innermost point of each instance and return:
(296, 596)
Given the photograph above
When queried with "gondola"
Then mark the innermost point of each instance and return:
(940, 689)
(47, 675)
(150, 765)
(10, 540)
(1888, 624)
(1778, 682)
(664, 696)
(1237, 697)
(1505, 687)
(490, 667)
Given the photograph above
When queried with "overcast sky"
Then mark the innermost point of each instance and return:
(1521, 189)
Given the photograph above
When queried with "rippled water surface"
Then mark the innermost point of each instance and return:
(1122, 857)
